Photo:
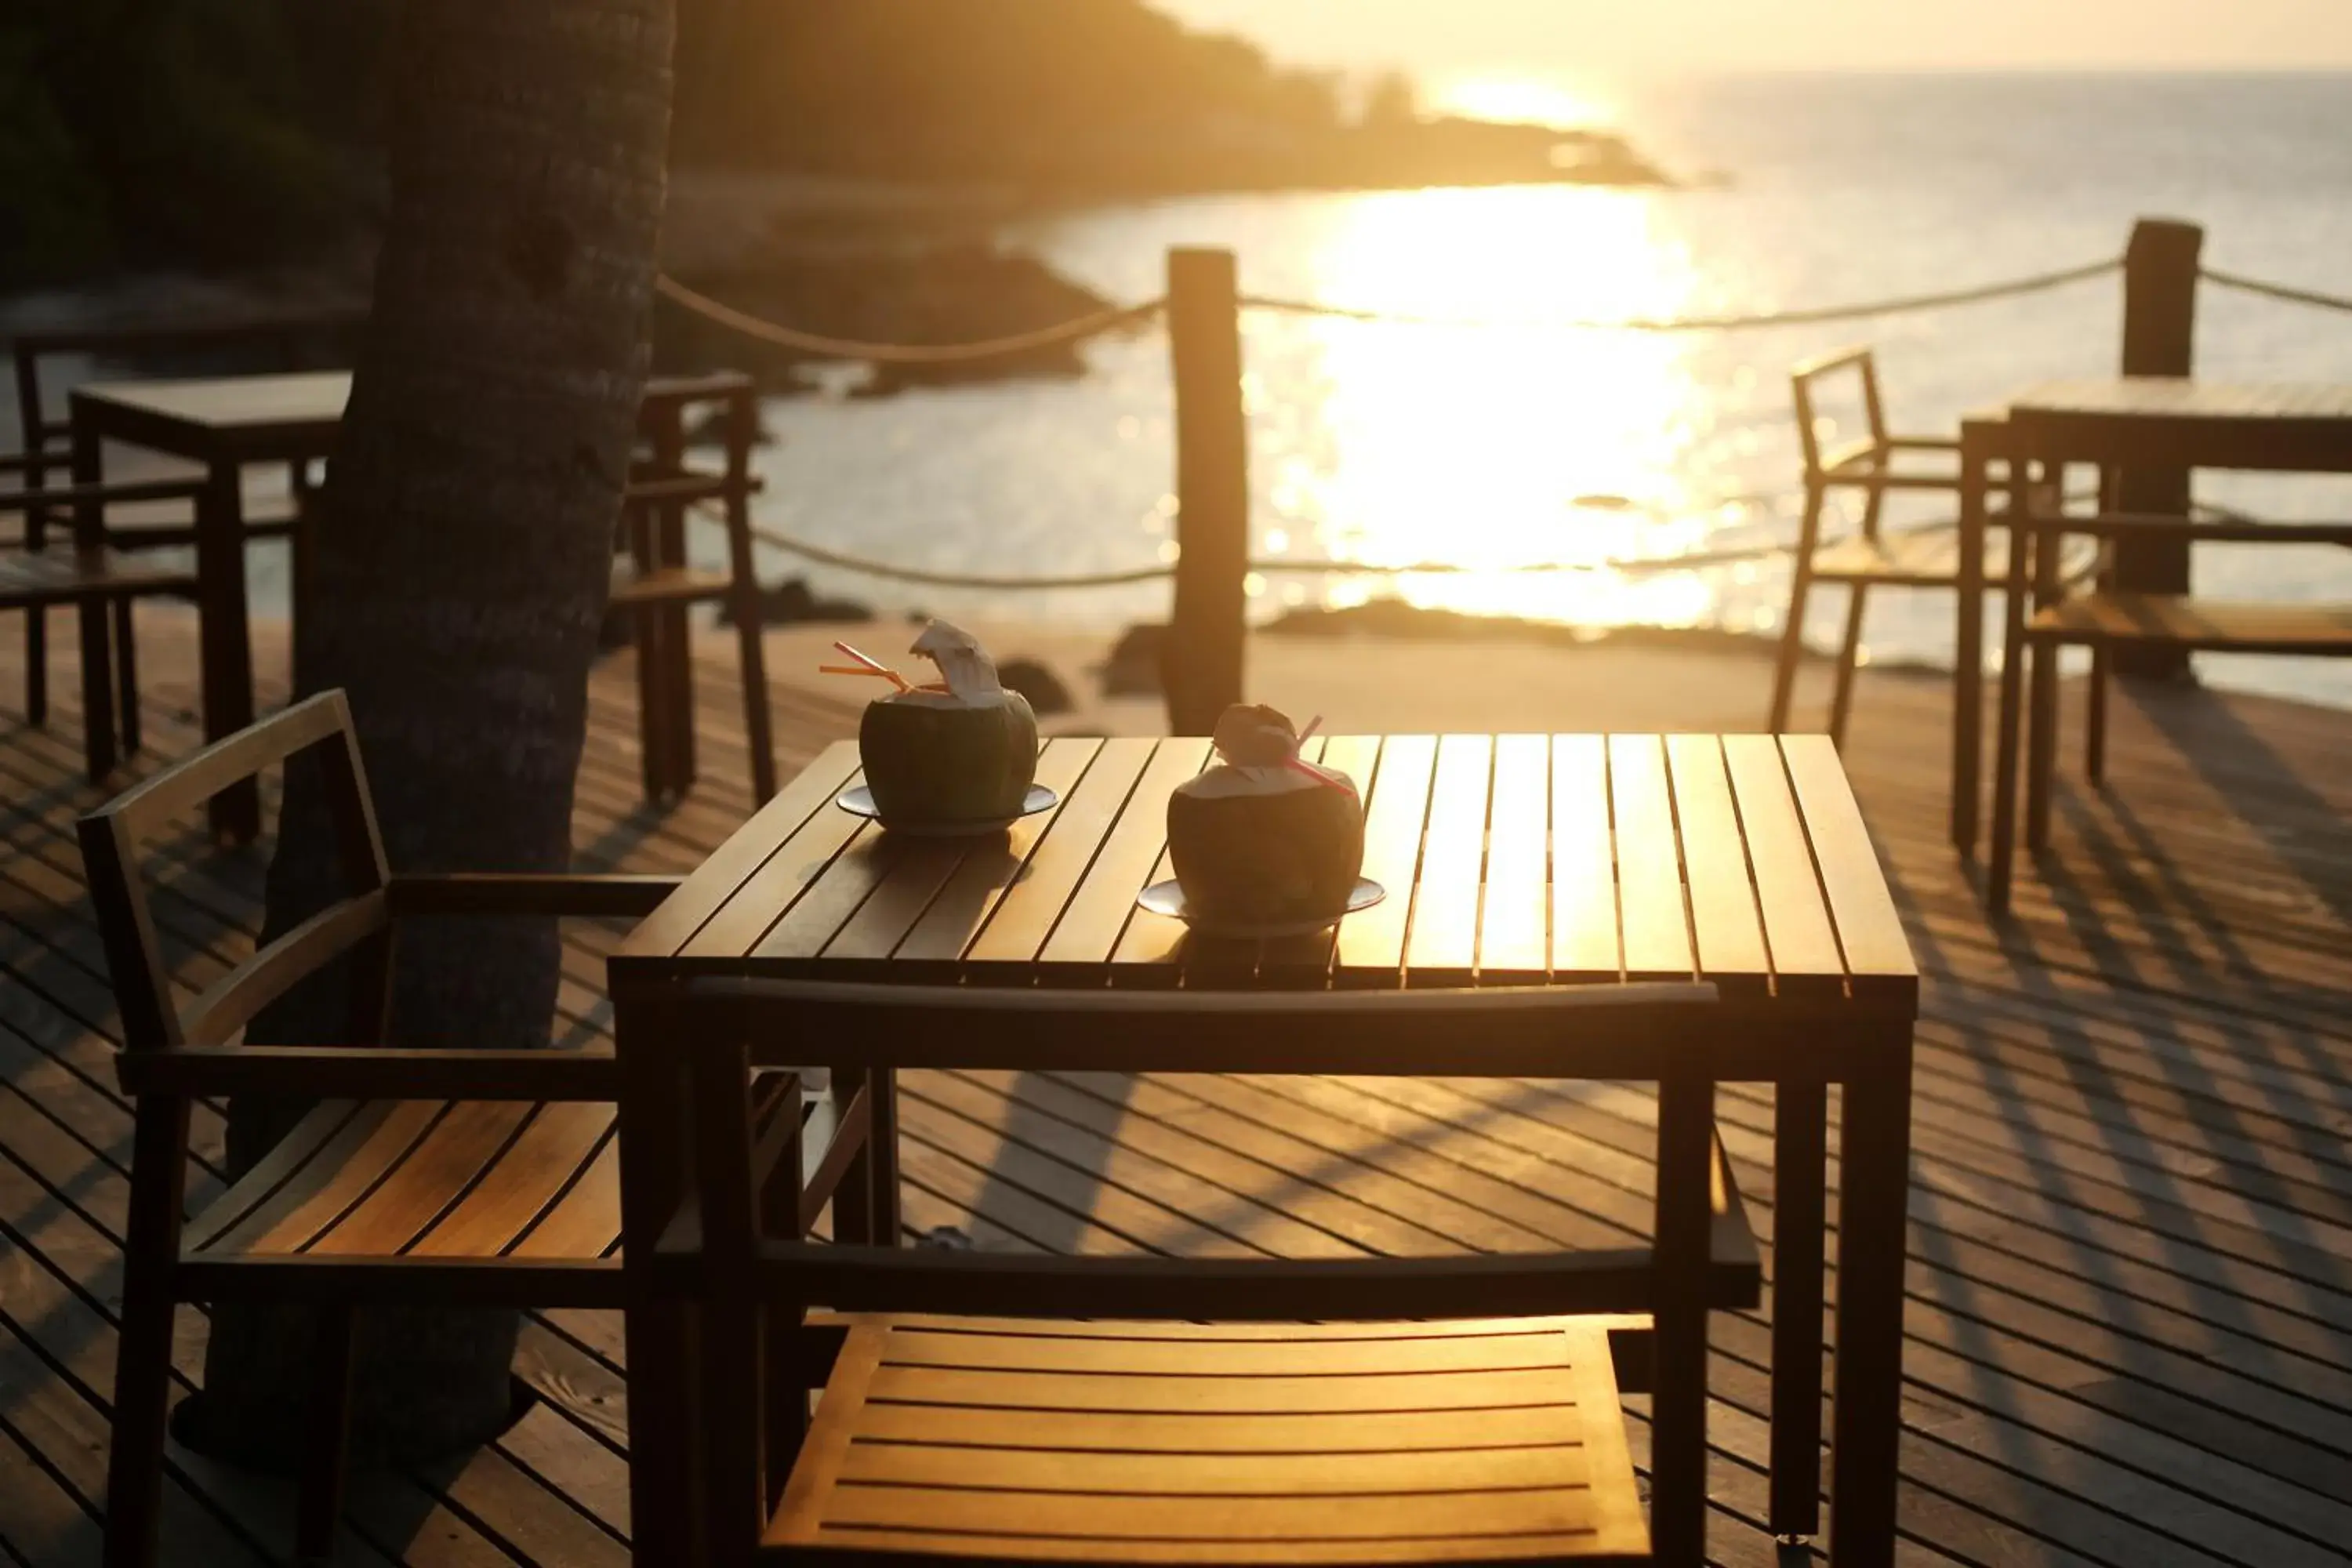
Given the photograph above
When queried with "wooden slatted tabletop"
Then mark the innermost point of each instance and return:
(2181, 422)
(1519, 860)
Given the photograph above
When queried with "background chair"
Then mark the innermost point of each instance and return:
(2107, 617)
(1916, 555)
(654, 585)
(436, 1176)
(81, 567)
(1014, 1408)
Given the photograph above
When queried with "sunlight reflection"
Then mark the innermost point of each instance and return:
(1507, 443)
(1525, 100)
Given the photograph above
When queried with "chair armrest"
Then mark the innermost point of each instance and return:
(369, 1072)
(42, 496)
(527, 893)
(1924, 443)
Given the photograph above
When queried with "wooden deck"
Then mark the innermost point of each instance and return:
(2129, 1331)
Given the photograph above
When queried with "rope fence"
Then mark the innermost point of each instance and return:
(1623, 565)
(1113, 319)
(2268, 290)
(1904, 304)
(1069, 332)
(1632, 566)
(1095, 323)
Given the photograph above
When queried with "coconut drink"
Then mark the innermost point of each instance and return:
(1265, 838)
(961, 748)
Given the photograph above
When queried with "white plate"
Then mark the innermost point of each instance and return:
(860, 802)
(1168, 899)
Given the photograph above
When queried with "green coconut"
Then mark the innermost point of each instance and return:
(931, 760)
(1263, 838)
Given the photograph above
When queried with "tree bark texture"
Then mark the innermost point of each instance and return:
(460, 572)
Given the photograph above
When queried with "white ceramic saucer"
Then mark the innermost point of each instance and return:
(860, 802)
(1168, 899)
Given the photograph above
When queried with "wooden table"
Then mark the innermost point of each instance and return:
(2144, 424)
(222, 423)
(1519, 860)
(228, 422)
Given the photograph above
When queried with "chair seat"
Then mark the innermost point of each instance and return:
(2218, 625)
(666, 586)
(452, 1180)
(982, 1439)
(426, 1178)
(1928, 556)
(59, 574)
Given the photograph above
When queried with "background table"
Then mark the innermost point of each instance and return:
(1515, 859)
(222, 423)
(2139, 425)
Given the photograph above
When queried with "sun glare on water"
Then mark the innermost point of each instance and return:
(1503, 434)
(1522, 99)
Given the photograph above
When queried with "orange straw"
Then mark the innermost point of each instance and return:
(875, 665)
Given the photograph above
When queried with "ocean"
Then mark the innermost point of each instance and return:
(1506, 436)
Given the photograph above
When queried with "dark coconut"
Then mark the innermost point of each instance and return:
(1263, 838)
(929, 762)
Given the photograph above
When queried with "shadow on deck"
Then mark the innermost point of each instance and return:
(2129, 1324)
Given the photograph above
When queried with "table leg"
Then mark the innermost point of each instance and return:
(677, 660)
(853, 1199)
(1678, 1396)
(1968, 638)
(883, 1144)
(1800, 1138)
(2015, 652)
(1873, 1196)
(664, 1498)
(732, 1338)
(97, 663)
(2041, 704)
(226, 644)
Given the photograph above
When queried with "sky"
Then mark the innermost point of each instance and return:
(1604, 41)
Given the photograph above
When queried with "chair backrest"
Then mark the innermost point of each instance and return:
(1391, 1029)
(110, 840)
(1805, 383)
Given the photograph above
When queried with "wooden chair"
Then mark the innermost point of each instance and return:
(83, 568)
(1917, 555)
(450, 1176)
(2106, 619)
(1021, 1408)
(655, 585)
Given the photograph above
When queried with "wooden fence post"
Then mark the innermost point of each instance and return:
(2159, 339)
(1201, 664)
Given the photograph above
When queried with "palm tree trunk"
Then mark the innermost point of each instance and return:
(460, 575)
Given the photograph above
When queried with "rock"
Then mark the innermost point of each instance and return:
(1039, 684)
(1133, 669)
(793, 601)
